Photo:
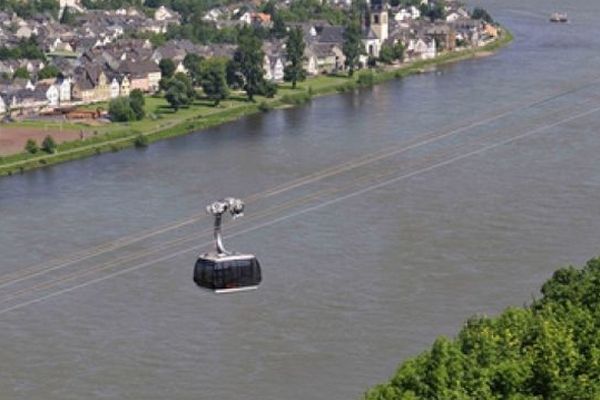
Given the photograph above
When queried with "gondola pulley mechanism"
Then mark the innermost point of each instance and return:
(223, 271)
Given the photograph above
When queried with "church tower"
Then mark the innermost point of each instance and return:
(379, 19)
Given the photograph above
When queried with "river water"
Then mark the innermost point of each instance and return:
(383, 218)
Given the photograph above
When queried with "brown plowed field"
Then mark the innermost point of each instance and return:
(13, 138)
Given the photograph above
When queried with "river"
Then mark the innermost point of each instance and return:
(382, 218)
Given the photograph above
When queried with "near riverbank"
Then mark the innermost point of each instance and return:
(162, 122)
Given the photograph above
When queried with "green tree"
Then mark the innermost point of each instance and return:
(193, 62)
(214, 79)
(294, 71)
(548, 350)
(31, 146)
(179, 91)
(21, 73)
(137, 103)
(279, 29)
(353, 46)
(235, 79)
(391, 52)
(176, 95)
(189, 86)
(49, 71)
(433, 11)
(49, 145)
(268, 89)
(386, 53)
(120, 110)
(68, 17)
(248, 62)
(167, 68)
(399, 51)
(481, 13)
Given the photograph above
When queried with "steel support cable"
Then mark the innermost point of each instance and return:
(369, 158)
(321, 205)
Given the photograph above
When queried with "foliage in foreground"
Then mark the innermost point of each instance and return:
(549, 350)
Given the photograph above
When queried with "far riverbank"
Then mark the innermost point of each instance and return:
(164, 124)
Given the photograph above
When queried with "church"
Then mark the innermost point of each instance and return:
(376, 28)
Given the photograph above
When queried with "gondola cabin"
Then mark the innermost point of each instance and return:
(227, 273)
(224, 271)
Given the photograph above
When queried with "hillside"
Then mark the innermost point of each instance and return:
(549, 350)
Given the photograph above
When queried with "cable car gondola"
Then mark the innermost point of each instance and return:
(223, 271)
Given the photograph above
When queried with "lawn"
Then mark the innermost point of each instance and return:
(162, 121)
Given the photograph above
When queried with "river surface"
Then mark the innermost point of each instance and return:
(382, 218)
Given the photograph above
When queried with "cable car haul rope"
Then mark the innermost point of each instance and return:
(40, 283)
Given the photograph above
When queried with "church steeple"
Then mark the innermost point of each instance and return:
(379, 19)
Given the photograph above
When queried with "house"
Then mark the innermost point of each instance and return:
(424, 49)
(310, 61)
(27, 102)
(64, 90)
(2, 106)
(331, 34)
(407, 14)
(246, 18)
(57, 92)
(273, 66)
(261, 19)
(443, 34)
(329, 57)
(90, 84)
(213, 15)
(144, 75)
(491, 30)
(162, 13)
(115, 88)
(124, 88)
(24, 31)
(51, 92)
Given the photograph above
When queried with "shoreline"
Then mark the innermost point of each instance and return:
(126, 138)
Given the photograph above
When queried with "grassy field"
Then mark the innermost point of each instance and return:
(162, 122)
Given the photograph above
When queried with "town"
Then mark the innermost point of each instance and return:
(83, 62)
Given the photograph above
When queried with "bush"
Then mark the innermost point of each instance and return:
(137, 102)
(49, 145)
(141, 141)
(268, 89)
(296, 98)
(346, 87)
(264, 106)
(31, 146)
(120, 110)
(366, 78)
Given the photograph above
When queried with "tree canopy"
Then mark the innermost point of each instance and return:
(27, 9)
(247, 63)
(214, 79)
(123, 109)
(167, 68)
(294, 71)
(480, 13)
(21, 73)
(548, 350)
(179, 91)
(353, 46)
(26, 48)
(49, 71)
